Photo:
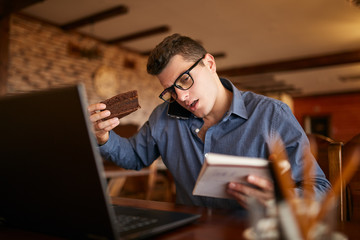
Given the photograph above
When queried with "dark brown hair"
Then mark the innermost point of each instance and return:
(173, 45)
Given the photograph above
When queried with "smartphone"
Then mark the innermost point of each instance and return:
(177, 111)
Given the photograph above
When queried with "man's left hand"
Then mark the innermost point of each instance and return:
(259, 188)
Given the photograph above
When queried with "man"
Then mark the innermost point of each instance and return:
(219, 118)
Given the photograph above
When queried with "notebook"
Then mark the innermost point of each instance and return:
(51, 174)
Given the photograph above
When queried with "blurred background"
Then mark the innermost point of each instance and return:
(305, 53)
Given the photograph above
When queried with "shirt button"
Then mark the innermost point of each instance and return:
(197, 130)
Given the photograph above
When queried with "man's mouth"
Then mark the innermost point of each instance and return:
(193, 104)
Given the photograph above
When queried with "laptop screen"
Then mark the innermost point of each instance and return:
(50, 168)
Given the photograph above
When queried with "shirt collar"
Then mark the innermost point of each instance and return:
(237, 105)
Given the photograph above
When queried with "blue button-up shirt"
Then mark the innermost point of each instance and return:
(244, 130)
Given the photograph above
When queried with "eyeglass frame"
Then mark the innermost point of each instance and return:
(172, 87)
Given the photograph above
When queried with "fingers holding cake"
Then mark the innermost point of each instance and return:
(101, 127)
(96, 112)
(106, 125)
(106, 114)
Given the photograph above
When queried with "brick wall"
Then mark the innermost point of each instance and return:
(40, 58)
(343, 109)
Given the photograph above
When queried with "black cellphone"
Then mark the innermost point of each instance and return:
(177, 111)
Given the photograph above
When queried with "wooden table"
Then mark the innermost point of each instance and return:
(213, 224)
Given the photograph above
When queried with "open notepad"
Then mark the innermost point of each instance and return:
(220, 169)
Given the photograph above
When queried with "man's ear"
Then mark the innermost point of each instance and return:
(209, 61)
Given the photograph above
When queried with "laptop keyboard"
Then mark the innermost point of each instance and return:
(128, 222)
(136, 223)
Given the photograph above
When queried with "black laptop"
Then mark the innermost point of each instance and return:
(51, 174)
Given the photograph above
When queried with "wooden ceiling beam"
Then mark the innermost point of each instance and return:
(295, 64)
(7, 7)
(286, 89)
(119, 10)
(218, 55)
(141, 34)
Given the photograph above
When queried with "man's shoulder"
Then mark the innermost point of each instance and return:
(159, 112)
(258, 100)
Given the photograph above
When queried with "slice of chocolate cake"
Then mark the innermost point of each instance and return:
(122, 104)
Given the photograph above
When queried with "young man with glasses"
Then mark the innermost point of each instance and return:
(213, 116)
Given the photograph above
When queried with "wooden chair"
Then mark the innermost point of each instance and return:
(354, 184)
(117, 178)
(328, 154)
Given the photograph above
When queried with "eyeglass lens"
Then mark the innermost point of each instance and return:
(184, 82)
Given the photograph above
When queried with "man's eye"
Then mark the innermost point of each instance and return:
(183, 81)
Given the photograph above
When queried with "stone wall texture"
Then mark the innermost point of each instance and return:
(42, 56)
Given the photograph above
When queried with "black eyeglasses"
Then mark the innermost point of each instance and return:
(183, 82)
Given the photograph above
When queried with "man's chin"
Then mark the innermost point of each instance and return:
(198, 114)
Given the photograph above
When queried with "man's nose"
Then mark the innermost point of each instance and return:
(182, 94)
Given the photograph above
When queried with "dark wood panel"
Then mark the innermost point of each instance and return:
(120, 10)
(4, 53)
(6, 8)
(295, 64)
(10, 6)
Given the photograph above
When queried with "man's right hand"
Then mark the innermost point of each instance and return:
(101, 128)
